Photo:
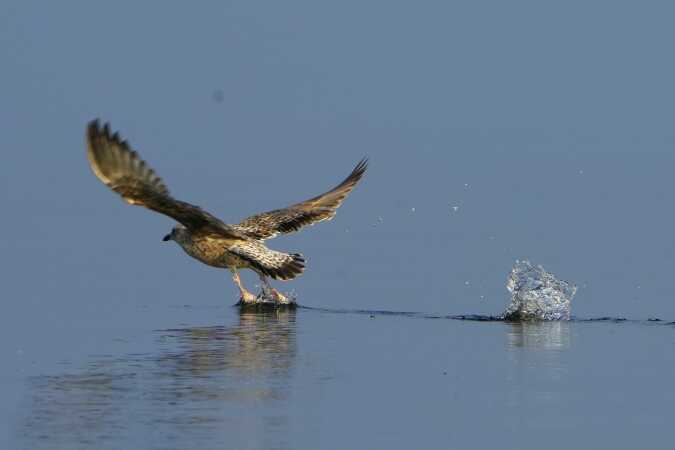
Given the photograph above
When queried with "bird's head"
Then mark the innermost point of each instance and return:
(176, 234)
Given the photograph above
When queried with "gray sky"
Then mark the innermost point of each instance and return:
(550, 125)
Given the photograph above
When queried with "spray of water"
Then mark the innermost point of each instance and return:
(537, 295)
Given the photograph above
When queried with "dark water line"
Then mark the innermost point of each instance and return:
(479, 317)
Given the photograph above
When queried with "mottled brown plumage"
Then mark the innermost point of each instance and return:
(121, 169)
(288, 220)
(202, 235)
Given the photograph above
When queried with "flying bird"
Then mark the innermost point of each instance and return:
(204, 236)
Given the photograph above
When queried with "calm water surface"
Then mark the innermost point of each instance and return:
(320, 379)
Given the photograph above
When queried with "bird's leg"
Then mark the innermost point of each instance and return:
(245, 296)
(270, 292)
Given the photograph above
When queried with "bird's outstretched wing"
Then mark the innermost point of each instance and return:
(121, 169)
(288, 220)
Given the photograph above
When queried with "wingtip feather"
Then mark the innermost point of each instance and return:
(111, 158)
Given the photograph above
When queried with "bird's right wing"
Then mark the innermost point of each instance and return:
(122, 170)
(288, 220)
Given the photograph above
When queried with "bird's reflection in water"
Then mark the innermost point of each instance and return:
(260, 348)
(538, 335)
(201, 384)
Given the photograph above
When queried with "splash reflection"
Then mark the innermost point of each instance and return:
(199, 386)
(538, 371)
(538, 335)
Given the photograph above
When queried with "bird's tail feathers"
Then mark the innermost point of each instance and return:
(293, 265)
(271, 263)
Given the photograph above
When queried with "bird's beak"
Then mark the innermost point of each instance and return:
(166, 238)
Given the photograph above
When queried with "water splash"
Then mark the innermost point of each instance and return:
(537, 294)
(269, 299)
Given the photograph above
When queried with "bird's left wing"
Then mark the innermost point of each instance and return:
(288, 220)
(122, 170)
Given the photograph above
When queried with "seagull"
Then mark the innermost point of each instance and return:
(204, 236)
